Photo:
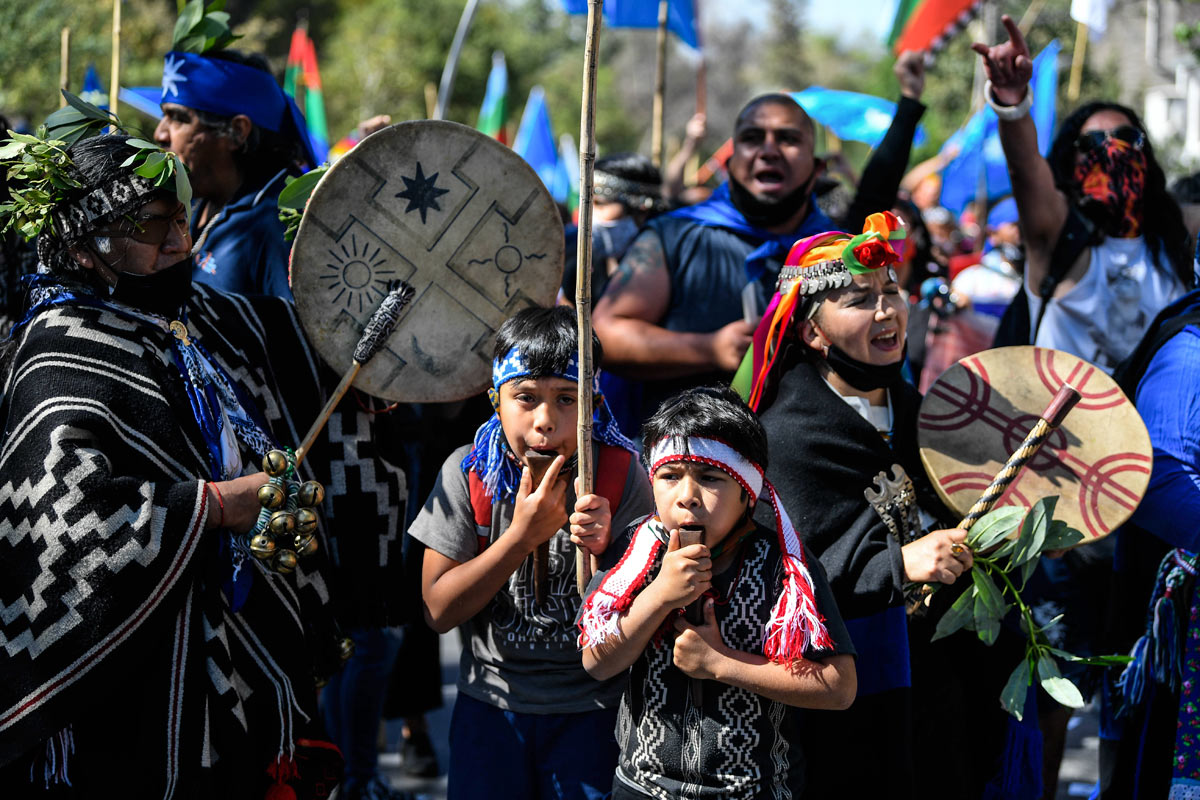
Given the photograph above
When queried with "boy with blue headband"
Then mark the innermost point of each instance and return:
(528, 722)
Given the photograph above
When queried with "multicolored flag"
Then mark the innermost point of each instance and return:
(302, 75)
(681, 16)
(929, 24)
(535, 143)
(494, 112)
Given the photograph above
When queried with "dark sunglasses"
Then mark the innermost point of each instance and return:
(149, 229)
(1095, 140)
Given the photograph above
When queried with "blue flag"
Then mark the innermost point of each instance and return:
(93, 92)
(535, 143)
(850, 115)
(681, 16)
(978, 142)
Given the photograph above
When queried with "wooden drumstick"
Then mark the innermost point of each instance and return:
(377, 331)
(694, 613)
(1062, 403)
(538, 464)
(1064, 400)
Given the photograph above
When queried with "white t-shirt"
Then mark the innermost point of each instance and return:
(1104, 316)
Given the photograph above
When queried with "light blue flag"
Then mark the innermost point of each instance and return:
(681, 16)
(978, 142)
(536, 144)
(850, 115)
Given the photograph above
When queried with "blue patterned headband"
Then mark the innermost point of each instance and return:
(228, 89)
(491, 458)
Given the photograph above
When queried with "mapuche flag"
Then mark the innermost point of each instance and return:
(302, 73)
(929, 24)
(494, 111)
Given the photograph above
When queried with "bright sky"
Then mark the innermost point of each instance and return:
(851, 17)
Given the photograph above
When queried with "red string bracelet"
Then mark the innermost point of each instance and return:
(220, 503)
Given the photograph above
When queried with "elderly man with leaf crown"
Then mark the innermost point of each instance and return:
(241, 138)
(153, 643)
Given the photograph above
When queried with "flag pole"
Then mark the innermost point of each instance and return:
(446, 88)
(693, 166)
(657, 154)
(1081, 36)
(114, 87)
(583, 272)
(64, 66)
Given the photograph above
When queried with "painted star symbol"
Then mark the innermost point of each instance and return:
(173, 75)
(421, 192)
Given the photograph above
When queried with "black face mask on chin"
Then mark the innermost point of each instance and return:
(862, 376)
(165, 292)
(769, 215)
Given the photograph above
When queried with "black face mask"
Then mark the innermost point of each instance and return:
(862, 376)
(769, 215)
(165, 292)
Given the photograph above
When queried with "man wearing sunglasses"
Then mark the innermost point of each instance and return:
(1106, 245)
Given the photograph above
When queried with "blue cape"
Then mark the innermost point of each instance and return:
(719, 212)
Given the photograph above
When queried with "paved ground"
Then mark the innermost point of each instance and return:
(1076, 779)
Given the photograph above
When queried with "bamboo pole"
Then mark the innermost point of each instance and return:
(1081, 36)
(657, 154)
(64, 66)
(446, 88)
(583, 272)
(114, 87)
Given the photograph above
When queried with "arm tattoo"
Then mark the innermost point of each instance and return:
(644, 255)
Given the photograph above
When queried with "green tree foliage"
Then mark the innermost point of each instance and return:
(30, 39)
(784, 62)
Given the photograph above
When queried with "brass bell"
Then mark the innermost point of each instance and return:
(346, 648)
(306, 544)
(275, 463)
(310, 494)
(271, 496)
(282, 523)
(285, 561)
(306, 520)
(262, 546)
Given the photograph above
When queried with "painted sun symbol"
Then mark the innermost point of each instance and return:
(355, 277)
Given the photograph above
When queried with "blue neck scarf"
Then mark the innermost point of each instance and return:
(493, 460)
(719, 212)
(228, 88)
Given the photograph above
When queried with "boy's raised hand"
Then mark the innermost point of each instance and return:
(685, 575)
(539, 512)
(698, 648)
(591, 524)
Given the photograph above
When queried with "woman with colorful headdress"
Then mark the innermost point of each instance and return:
(825, 374)
(147, 650)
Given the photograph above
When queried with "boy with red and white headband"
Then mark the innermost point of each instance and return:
(705, 710)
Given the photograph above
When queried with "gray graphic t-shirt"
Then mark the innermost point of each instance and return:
(522, 656)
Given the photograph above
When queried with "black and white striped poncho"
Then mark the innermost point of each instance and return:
(113, 621)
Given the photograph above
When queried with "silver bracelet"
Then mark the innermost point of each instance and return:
(1008, 113)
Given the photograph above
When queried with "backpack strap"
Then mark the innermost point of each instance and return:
(1016, 327)
(1077, 235)
(481, 507)
(612, 468)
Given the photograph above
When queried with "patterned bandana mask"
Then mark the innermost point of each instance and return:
(494, 461)
(1112, 178)
(796, 625)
